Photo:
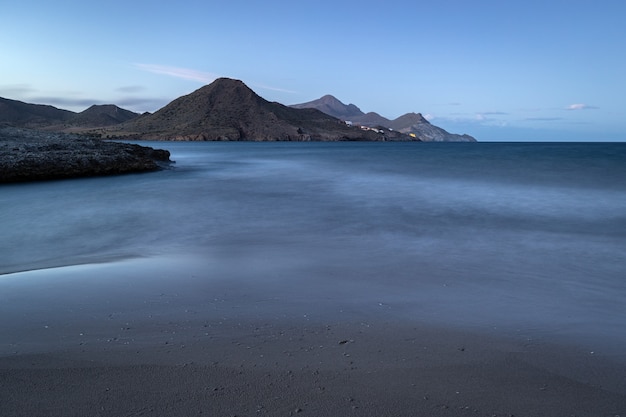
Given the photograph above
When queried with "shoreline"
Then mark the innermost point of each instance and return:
(87, 341)
(69, 263)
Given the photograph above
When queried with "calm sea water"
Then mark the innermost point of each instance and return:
(530, 238)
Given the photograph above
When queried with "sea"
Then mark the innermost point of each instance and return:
(524, 239)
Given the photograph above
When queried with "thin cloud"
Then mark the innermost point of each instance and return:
(131, 89)
(280, 90)
(486, 115)
(580, 106)
(16, 89)
(494, 113)
(184, 73)
(466, 119)
(195, 75)
(543, 119)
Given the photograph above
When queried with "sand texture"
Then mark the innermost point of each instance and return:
(339, 369)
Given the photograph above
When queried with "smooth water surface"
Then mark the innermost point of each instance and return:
(527, 238)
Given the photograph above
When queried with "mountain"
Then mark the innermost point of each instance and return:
(409, 124)
(371, 119)
(38, 116)
(330, 105)
(103, 115)
(227, 109)
(416, 123)
(17, 113)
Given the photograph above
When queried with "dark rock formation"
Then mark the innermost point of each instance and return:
(29, 155)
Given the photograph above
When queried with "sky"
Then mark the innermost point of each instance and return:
(497, 70)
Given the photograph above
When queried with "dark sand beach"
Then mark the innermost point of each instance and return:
(252, 368)
(141, 350)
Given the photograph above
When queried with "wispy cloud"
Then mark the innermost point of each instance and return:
(580, 106)
(470, 119)
(177, 72)
(494, 113)
(542, 119)
(15, 89)
(131, 89)
(486, 115)
(280, 90)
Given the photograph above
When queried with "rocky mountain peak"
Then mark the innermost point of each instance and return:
(409, 119)
(103, 115)
(223, 95)
(332, 106)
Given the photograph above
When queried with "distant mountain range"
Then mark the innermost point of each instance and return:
(22, 114)
(409, 123)
(37, 116)
(228, 110)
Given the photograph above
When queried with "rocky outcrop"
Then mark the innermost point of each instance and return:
(28, 155)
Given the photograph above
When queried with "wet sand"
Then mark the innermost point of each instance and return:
(87, 341)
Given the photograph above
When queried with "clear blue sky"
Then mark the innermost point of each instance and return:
(498, 70)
